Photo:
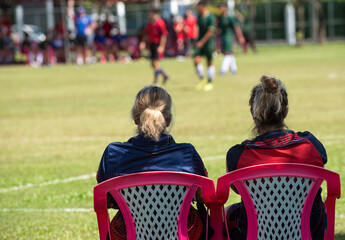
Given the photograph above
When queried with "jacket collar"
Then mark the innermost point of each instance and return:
(272, 134)
(140, 139)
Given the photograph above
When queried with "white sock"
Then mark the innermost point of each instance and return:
(200, 70)
(80, 61)
(210, 73)
(233, 66)
(39, 58)
(225, 64)
(31, 57)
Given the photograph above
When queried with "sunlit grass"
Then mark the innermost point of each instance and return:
(55, 123)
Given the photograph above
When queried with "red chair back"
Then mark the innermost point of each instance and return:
(155, 205)
(278, 198)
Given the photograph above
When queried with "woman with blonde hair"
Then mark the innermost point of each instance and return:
(153, 149)
(274, 143)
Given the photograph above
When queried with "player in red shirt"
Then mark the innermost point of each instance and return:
(156, 35)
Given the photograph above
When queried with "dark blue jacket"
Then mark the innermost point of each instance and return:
(141, 154)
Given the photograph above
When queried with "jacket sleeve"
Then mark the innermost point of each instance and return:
(102, 166)
(199, 166)
(233, 156)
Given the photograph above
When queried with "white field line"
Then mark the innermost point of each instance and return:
(82, 210)
(53, 182)
(73, 179)
(210, 158)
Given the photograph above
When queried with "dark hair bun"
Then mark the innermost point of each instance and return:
(270, 84)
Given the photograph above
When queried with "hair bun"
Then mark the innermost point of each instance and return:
(270, 84)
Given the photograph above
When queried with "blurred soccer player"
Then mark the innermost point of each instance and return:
(205, 46)
(227, 24)
(156, 34)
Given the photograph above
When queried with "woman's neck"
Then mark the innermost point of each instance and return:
(269, 129)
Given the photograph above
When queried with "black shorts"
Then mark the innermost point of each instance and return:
(153, 51)
(81, 40)
(190, 42)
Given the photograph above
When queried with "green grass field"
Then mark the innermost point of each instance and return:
(55, 123)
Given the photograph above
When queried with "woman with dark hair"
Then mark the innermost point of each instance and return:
(274, 143)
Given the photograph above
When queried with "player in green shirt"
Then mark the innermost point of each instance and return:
(205, 45)
(227, 24)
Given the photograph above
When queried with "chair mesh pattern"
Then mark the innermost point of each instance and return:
(155, 210)
(278, 202)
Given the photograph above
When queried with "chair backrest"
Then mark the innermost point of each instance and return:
(278, 198)
(155, 205)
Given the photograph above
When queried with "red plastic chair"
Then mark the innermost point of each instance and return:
(278, 198)
(155, 205)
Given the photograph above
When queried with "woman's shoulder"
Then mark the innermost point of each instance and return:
(240, 146)
(310, 137)
(234, 154)
(316, 143)
(236, 150)
(306, 134)
(118, 146)
(185, 145)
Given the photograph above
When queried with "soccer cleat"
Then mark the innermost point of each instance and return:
(201, 85)
(208, 87)
(233, 72)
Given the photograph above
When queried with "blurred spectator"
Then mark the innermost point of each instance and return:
(99, 43)
(109, 42)
(180, 36)
(191, 29)
(133, 47)
(85, 27)
(6, 53)
(33, 51)
(171, 45)
(71, 20)
(120, 44)
(107, 27)
(247, 29)
(46, 52)
(57, 44)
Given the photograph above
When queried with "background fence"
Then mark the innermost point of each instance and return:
(268, 24)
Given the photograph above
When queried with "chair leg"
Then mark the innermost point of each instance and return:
(103, 224)
(330, 210)
(216, 221)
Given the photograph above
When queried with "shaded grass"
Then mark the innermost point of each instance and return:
(55, 123)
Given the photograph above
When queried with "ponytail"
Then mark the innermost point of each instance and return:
(152, 123)
(152, 111)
